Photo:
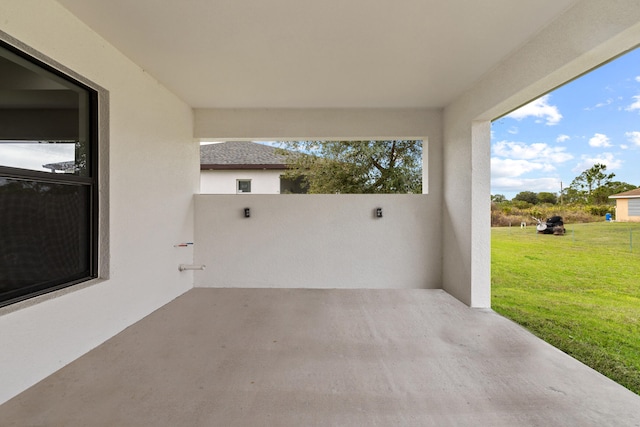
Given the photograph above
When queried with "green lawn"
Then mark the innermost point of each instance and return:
(580, 292)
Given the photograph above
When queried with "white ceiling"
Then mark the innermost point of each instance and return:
(317, 53)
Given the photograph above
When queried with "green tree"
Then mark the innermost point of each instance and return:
(620, 187)
(527, 196)
(356, 166)
(590, 180)
(600, 196)
(571, 195)
(498, 198)
(546, 197)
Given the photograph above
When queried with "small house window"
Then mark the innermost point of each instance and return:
(244, 186)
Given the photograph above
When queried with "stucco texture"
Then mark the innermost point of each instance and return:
(149, 173)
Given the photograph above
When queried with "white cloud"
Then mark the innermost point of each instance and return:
(515, 185)
(600, 104)
(635, 105)
(624, 146)
(633, 137)
(32, 155)
(503, 168)
(513, 130)
(539, 108)
(637, 78)
(607, 159)
(600, 140)
(605, 103)
(562, 138)
(539, 152)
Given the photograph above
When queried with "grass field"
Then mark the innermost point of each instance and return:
(579, 292)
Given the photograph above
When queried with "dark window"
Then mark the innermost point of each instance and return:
(244, 186)
(48, 178)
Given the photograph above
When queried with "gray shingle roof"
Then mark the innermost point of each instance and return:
(241, 155)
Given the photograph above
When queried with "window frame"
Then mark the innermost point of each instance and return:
(90, 181)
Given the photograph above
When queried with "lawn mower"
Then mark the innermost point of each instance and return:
(553, 225)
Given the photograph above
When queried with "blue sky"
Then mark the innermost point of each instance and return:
(593, 119)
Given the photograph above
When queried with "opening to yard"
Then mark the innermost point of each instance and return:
(319, 167)
(573, 153)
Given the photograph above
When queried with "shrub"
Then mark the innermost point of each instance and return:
(571, 214)
(599, 210)
(521, 204)
(536, 212)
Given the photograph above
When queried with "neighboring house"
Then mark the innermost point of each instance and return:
(627, 205)
(244, 167)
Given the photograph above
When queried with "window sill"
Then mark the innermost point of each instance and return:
(48, 296)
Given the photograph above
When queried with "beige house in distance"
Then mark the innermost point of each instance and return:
(627, 205)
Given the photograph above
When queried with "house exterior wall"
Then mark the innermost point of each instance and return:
(350, 234)
(224, 181)
(146, 203)
(622, 210)
(623, 213)
(318, 241)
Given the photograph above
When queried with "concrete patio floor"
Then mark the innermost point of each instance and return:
(294, 357)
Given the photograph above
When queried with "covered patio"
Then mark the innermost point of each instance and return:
(409, 338)
(318, 357)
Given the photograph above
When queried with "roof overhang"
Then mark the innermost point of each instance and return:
(244, 167)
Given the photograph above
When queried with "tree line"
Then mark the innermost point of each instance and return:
(592, 187)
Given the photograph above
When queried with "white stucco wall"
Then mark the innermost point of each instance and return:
(323, 233)
(320, 123)
(587, 35)
(152, 175)
(224, 181)
(318, 241)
